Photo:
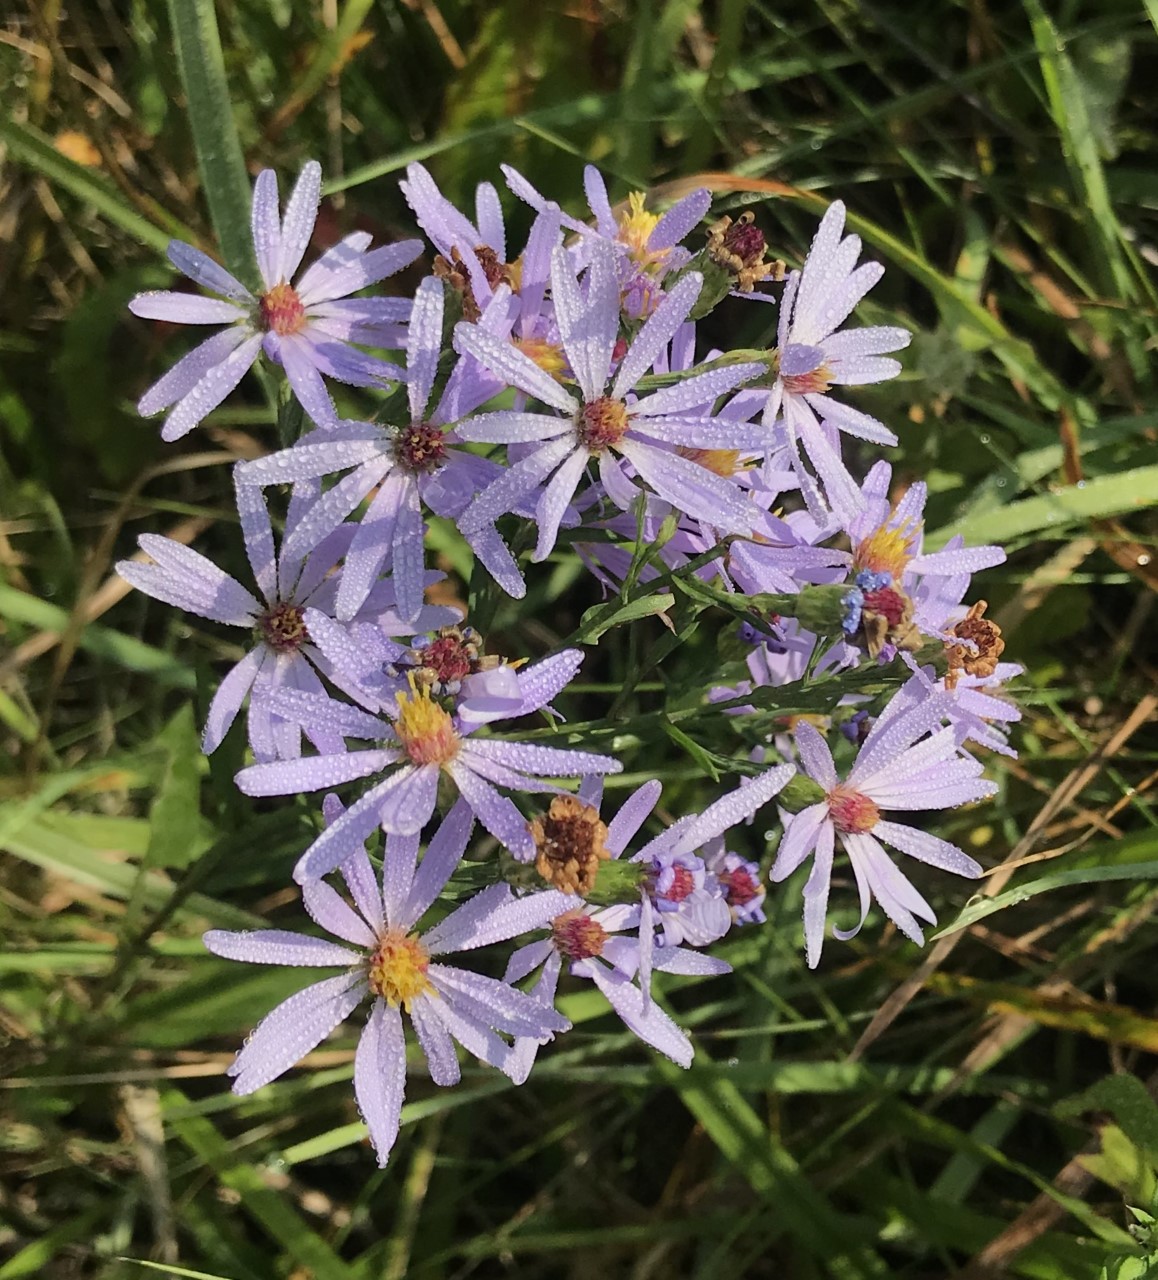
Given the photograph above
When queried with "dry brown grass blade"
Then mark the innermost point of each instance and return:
(1073, 785)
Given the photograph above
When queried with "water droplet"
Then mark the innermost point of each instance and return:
(1000, 482)
(1081, 484)
(816, 144)
(1144, 559)
(733, 1062)
(984, 438)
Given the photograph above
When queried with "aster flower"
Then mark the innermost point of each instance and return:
(423, 739)
(407, 465)
(615, 947)
(383, 956)
(308, 327)
(909, 762)
(740, 880)
(814, 357)
(603, 424)
(294, 633)
(646, 245)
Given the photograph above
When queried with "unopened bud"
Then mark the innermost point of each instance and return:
(616, 882)
(799, 792)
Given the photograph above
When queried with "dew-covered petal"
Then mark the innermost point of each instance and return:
(495, 919)
(551, 762)
(278, 946)
(699, 391)
(329, 909)
(815, 755)
(735, 807)
(443, 854)
(214, 385)
(691, 488)
(185, 308)
(494, 811)
(588, 324)
(554, 501)
(202, 269)
(928, 848)
(228, 699)
(652, 1025)
(504, 1008)
(297, 354)
(347, 834)
(633, 813)
(409, 806)
(680, 220)
(436, 1043)
(801, 831)
(316, 773)
(423, 345)
(505, 493)
(656, 333)
(816, 892)
(189, 581)
(512, 366)
(294, 1028)
(365, 269)
(189, 370)
(380, 1077)
(301, 212)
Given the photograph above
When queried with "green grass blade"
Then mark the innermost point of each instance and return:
(219, 157)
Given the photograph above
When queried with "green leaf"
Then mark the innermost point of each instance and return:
(1125, 1097)
(1109, 495)
(602, 617)
(177, 834)
(219, 157)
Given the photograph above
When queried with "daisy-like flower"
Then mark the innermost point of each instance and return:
(603, 427)
(908, 593)
(614, 947)
(908, 762)
(408, 465)
(292, 625)
(384, 957)
(740, 880)
(646, 245)
(423, 739)
(307, 327)
(814, 357)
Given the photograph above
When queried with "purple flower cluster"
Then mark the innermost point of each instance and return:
(558, 387)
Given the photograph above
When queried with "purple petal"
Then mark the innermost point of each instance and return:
(189, 370)
(928, 848)
(633, 813)
(435, 1040)
(736, 807)
(495, 915)
(494, 811)
(543, 680)
(334, 506)
(696, 392)
(296, 1026)
(510, 364)
(258, 536)
(372, 543)
(380, 1077)
(318, 773)
(554, 501)
(801, 832)
(301, 371)
(506, 1009)
(185, 308)
(423, 346)
(335, 915)
(816, 895)
(443, 855)
(201, 269)
(506, 492)
(679, 220)
(366, 269)
(548, 762)
(266, 224)
(815, 755)
(657, 333)
(690, 488)
(588, 326)
(509, 427)
(409, 806)
(212, 388)
(300, 215)
(228, 699)
(278, 946)
(652, 1025)
(346, 835)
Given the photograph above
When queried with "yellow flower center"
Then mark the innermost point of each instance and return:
(635, 228)
(282, 310)
(426, 731)
(724, 462)
(888, 550)
(547, 355)
(398, 968)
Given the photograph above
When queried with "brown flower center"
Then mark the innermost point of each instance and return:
(420, 448)
(453, 270)
(979, 658)
(738, 247)
(570, 843)
(281, 310)
(577, 936)
(282, 628)
(601, 423)
(852, 811)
